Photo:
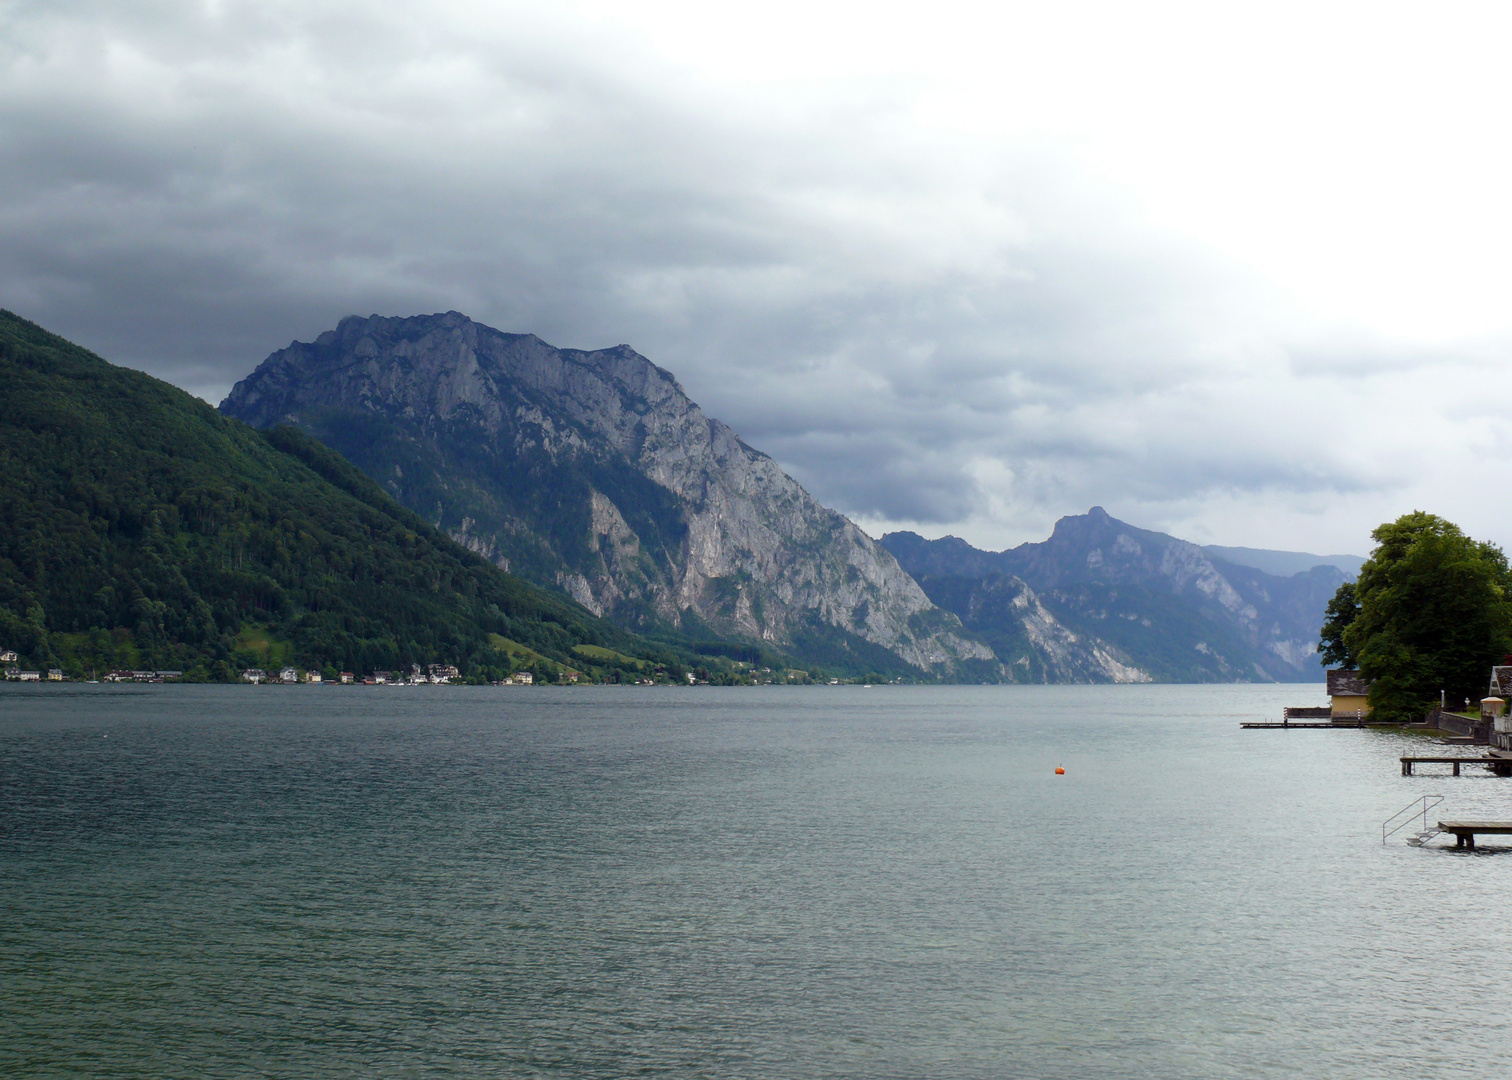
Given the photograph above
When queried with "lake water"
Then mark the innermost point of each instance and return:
(773, 882)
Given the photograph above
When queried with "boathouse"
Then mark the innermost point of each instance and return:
(1348, 695)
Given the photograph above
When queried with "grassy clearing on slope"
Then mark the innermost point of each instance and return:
(516, 653)
(256, 646)
(598, 652)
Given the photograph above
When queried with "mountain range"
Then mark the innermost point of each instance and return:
(1103, 601)
(594, 473)
(1284, 563)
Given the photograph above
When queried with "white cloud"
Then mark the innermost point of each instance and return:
(1233, 271)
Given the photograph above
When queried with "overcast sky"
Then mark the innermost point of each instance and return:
(1239, 273)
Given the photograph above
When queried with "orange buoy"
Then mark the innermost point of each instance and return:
(1059, 771)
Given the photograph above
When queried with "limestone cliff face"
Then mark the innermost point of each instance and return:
(595, 471)
(1047, 650)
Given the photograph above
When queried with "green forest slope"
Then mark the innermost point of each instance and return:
(141, 528)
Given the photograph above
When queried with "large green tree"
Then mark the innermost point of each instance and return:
(1337, 617)
(1431, 613)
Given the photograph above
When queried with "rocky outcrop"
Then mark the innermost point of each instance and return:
(594, 472)
(1046, 650)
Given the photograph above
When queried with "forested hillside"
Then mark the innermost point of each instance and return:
(139, 527)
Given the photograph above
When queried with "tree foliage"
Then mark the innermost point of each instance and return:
(1433, 614)
(1340, 613)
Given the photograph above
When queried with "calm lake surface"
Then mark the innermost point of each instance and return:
(772, 882)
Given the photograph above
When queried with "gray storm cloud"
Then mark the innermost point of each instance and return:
(925, 331)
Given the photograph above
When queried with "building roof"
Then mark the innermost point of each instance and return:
(1345, 683)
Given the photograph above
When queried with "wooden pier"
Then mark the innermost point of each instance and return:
(1309, 712)
(1316, 716)
(1464, 831)
(1501, 766)
(1288, 724)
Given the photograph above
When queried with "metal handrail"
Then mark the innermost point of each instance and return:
(1413, 809)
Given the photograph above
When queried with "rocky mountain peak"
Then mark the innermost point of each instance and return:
(594, 471)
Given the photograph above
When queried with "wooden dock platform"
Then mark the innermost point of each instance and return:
(1464, 831)
(1286, 724)
(1316, 716)
(1289, 724)
(1501, 766)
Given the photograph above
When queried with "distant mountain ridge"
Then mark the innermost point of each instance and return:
(1101, 600)
(595, 472)
(1284, 563)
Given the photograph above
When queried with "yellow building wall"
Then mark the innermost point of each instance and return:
(1346, 704)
